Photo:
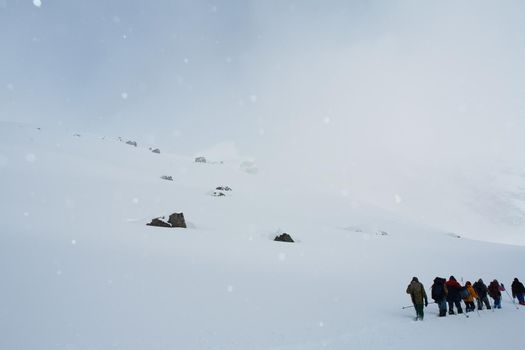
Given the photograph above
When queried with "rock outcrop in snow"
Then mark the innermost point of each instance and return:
(174, 220)
(285, 237)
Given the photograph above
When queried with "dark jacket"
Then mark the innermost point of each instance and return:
(517, 288)
(439, 289)
(480, 288)
(453, 290)
(417, 292)
(494, 289)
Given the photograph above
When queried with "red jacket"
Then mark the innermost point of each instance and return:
(453, 290)
(453, 284)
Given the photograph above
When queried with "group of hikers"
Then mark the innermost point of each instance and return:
(452, 292)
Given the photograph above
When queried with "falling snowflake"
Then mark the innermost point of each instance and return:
(253, 98)
(135, 200)
(230, 289)
(30, 157)
(398, 199)
(327, 120)
(73, 242)
(124, 95)
(37, 3)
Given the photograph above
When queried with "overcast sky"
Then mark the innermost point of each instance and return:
(321, 81)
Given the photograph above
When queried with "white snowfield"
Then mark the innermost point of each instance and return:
(81, 270)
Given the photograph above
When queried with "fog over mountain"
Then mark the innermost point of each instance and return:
(154, 153)
(415, 106)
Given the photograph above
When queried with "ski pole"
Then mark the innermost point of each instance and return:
(409, 306)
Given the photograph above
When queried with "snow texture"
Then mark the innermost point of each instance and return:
(81, 270)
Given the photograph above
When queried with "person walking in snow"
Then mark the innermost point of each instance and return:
(518, 291)
(469, 300)
(495, 293)
(453, 296)
(481, 290)
(439, 294)
(419, 297)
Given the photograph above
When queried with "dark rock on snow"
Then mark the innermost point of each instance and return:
(223, 188)
(174, 220)
(285, 237)
(200, 160)
(177, 220)
(159, 223)
(132, 143)
(156, 150)
(167, 177)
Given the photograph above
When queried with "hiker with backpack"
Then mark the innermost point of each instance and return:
(494, 290)
(481, 290)
(439, 294)
(469, 300)
(453, 296)
(518, 291)
(418, 296)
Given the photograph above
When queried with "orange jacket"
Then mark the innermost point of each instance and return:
(472, 293)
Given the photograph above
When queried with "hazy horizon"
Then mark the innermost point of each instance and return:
(331, 82)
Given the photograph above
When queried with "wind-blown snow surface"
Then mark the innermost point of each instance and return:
(81, 270)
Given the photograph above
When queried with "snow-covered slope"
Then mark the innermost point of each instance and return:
(81, 270)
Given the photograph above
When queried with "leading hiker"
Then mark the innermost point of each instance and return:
(419, 297)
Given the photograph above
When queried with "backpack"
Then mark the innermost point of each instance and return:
(463, 293)
(438, 291)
